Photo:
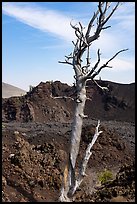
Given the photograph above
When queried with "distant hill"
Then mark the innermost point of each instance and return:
(52, 101)
(10, 90)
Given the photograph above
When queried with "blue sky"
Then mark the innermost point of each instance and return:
(36, 35)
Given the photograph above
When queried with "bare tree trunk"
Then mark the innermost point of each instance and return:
(71, 181)
(77, 123)
(76, 134)
(75, 140)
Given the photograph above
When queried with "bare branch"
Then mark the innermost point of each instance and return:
(62, 97)
(74, 27)
(100, 7)
(116, 55)
(103, 28)
(74, 43)
(89, 99)
(102, 13)
(85, 69)
(88, 150)
(75, 48)
(81, 26)
(86, 66)
(106, 64)
(107, 6)
(86, 158)
(69, 57)
(90, 25)
(101, 87)
(79, 34)
(88, 59)
(96, 65)
(102, 20)
(111, 13)
(65, 62)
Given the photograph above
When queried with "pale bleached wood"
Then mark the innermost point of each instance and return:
(71, 181)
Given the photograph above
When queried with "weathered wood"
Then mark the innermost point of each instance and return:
(71, 181)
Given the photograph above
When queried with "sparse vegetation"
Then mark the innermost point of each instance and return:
(105, 176)
(30, 88)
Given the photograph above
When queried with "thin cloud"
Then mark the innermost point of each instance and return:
(58, 24)
(107, 43)
(125, 17)
(119, 64)
(44, 20)
(56, 46)
(123, 65)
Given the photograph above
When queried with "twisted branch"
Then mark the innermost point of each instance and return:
(86, 158)
(93, 73)
(106, 64)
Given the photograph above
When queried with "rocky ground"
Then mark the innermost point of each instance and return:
(36, 130)
(34, 154)
(55, 102)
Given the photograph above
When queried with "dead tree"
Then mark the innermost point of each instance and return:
(84, 40)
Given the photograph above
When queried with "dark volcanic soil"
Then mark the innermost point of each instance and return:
(34, 154)
(36, 132)
(55, 101)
